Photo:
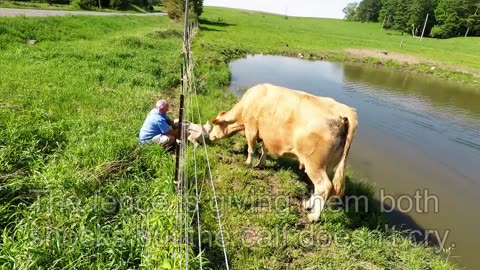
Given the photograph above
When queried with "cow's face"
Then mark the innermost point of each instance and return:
(223, 128)
(220, 128)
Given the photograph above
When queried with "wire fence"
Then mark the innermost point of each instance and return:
(187, 228)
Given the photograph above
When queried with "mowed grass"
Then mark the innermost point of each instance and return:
(251, 32)
(78, 192)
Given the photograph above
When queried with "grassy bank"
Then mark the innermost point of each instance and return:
(77, 191)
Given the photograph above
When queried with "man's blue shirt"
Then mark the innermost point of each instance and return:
(154, 124)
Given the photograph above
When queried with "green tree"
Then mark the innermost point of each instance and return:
(396, 14)
(83, 4)
(473, 23)
(176, 8)
(369, 10)
(118, 4)
(408, 15)
(418, 11)
(454, 17)
(350, 11)
(387, 12)
(401, 16)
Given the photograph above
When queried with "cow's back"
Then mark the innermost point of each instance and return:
(289, 120)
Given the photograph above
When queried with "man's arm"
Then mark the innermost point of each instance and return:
(173, 132)
(171, 123)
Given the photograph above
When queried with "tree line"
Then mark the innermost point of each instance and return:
(446, 18)
(174, 8)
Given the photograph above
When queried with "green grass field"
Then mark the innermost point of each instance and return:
(78, 192)
(242, 32)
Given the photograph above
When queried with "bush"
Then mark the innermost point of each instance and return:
(443, 31)
(83, 4)
(118, 4)
(175, 8)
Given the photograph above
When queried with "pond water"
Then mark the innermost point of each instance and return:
(418, 141)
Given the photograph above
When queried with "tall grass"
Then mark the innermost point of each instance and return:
(77, 191)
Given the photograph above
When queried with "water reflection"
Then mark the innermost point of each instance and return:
(439, 93)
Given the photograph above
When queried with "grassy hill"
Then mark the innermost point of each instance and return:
(245, 31)
(78, 192)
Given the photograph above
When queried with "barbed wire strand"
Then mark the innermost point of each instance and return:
(220, 227)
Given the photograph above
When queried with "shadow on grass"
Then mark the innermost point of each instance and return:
(16, 194)
(361, 208)
(204, 28)
(217, 23)
(357, 211)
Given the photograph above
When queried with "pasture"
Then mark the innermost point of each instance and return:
(77, 191)
(235, 33)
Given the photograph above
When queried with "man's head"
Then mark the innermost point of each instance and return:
(162, 106)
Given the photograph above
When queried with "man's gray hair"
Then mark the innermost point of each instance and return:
(161, 103)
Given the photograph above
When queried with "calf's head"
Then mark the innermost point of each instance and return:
(207, 128)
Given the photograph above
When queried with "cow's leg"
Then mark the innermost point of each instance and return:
(251, 141)
(301, 166)
(192, 140)
(322, 187)
(263, 158)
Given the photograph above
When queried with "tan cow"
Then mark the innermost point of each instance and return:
(317, 130)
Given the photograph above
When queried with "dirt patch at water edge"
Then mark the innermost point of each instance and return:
(409, 59)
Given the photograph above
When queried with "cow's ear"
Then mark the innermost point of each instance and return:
(215, 121)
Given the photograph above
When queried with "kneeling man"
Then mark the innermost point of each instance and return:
(158, 128)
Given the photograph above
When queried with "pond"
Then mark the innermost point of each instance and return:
(418, 140)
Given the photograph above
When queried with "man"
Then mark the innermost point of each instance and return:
(158, 128)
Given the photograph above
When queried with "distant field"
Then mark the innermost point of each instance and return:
(266, 33)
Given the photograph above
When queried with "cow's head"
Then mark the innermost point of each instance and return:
(223, 128)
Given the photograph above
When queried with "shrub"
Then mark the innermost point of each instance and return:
(83, 4)
(118, 4)
(175, 8)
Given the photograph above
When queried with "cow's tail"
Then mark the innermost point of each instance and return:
(338, 182)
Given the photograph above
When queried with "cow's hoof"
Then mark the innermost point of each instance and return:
(260, 165)
(312, 217)
(307, 204)
(249, 164)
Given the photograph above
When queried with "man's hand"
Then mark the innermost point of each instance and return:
(175, 124)
(173, 132)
